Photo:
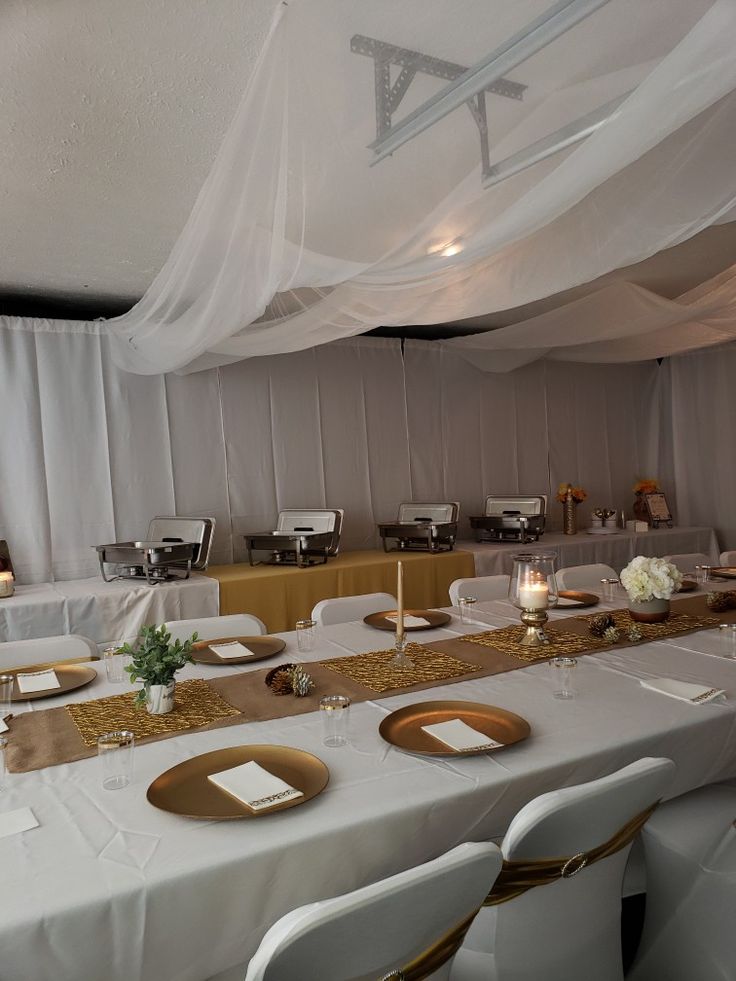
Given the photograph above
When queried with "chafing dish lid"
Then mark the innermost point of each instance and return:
(295, 521)
(515, 506)
(175, 530)
(416, 513)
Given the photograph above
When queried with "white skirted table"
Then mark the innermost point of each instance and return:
(493, 558)
(104, 612)
(109, 886)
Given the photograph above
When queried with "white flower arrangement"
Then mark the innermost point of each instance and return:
(645, 579)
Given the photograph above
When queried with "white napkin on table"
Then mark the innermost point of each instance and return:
(13, 822)
(3, 726)
(409, 620)
(566, 601)
(458, 735)
(232, 648)
(254, 786)
(37, 681)
(684, 690)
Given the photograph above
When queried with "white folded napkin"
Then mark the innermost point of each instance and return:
(566, 601)
(684, 690)
(457, 735)
(13, 822)
(254, 786)
(409, 620)
(3, 726)
(37, 681)
(233, 648)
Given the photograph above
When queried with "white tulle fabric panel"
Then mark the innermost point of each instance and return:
(296, 240)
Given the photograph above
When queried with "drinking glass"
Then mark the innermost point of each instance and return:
(563, 668)
(115, 750)
(467, 608)
(609, 590)
(305, 635)
(727, 638)
(115, 664)
(6, 691)
(702, 573)
(335, 711)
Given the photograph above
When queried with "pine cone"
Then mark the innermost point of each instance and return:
(611, 634)
(301, 682)
(279, 679)
(599, 624)
(721, 601)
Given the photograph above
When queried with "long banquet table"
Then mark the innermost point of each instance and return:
(617, 550)
(110, 887)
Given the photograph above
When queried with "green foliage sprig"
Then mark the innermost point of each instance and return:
(156, 659)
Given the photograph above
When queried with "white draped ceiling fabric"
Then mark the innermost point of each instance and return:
(296, 240)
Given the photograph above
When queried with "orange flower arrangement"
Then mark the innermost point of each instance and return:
(648, 485)
(578, 494)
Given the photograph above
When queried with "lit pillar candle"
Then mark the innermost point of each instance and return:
(400, 601)
(534, 596)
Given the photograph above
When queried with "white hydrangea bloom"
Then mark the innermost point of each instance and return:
(645, 579)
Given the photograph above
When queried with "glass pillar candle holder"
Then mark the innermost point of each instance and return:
(533, 589)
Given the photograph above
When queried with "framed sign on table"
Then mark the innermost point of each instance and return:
(658, 510)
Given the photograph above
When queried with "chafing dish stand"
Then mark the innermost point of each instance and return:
(173, 547)
(421, 528)
(511, 519)
(301, 538)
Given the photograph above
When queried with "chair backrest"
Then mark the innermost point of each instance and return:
(212, 628)
(484, 588)
(728, 559)
(46, 650)
(368, 933)
(585, 576)
(575, 922)
(343, 609)
(686, 561)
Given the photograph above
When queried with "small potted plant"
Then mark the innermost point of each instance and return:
(649, 584)
(155, 662)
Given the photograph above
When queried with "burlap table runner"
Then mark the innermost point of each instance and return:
(49, 737)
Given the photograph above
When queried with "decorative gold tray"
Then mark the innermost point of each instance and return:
(581, 599)
(261, 646)
(70, 676)
(403, 728)
(185, 789)
(435, 618)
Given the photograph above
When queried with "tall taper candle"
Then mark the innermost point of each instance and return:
(400, 602)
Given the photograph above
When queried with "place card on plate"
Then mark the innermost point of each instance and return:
(232, 648)
(410, 620)
(13, 822)
(684, 690)
(566, 601)
(254, 786)
(37, 681)
(459, 736)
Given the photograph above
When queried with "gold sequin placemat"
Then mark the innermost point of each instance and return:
(562, 643)
(676, 623)
(195, 704)
(375, 671)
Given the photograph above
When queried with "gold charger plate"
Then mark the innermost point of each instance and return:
(185, 789)
(435, 618)
(403, 728)
(687, 586)
(261, 646)
(70, 676)
(581, 599)
(725, 572)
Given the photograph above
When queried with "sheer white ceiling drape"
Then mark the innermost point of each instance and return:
(296, 240)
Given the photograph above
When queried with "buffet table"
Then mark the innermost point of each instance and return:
(281, 595)
(104, 612)
(493, 558)
(108, 886)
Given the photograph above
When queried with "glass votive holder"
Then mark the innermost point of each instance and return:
(6, 694)
(466, 605)
(305, 635)
(702, 573)
(115, 750)
(115, 664)
(3, 771)
(609, 589)
(563, 668)
(335, 711)
(727, 639)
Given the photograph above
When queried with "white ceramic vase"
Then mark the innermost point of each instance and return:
(653, 611)
(160, 698)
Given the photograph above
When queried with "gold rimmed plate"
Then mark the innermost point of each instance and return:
(403, 728)
(687, 586)
(262, 647)
(70, 676)
(724, 572)
(434, 618)
(578, 599)
(185, 789)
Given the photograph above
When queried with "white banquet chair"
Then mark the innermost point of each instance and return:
(214, 628)
(690, 850)
(568, 929)
(584, 576)
(376, 931)
(343, 609)
(728, 559)
(483, 588)
(686, 561)
(65, 649)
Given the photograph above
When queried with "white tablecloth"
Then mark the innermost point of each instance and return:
(492, 559)
(110, 888)
(104, 612)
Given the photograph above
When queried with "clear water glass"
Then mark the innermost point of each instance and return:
(702, 573)
(727, 639)
(609, 590)
(305, 635)
(115, 750)
(335, 712)
(115, 664)
(467, 608)
(564, 671)
(6, 692)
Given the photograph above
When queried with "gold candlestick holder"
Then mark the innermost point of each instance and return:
(401, 659)
(534, 621)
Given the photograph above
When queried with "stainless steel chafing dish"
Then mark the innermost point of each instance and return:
(511, 519)
(422, 528)
(301, 538)
(173, 547)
